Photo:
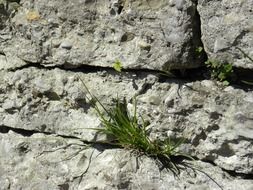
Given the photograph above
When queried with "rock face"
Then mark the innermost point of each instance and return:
(50, 162)
(216, 122)
(47, 136)
(226, 26)
(156, 34)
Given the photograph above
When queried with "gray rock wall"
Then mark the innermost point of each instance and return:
(216, 122)
(46, 136)
(109, 169)
(157, 35)
(226, 26)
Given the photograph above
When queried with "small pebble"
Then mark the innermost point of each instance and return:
(66, 45)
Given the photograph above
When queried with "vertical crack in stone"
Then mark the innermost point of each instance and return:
(197, 35)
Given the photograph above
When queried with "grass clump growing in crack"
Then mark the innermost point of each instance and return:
(129, 133)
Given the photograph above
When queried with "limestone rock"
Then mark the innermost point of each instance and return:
(156, 34)
(48, 49)
(216, 122)
(52, 162)
(227, 25)
(54, 100)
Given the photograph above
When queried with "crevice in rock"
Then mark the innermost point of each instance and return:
(189, 75)
(244, 78)
(23, 132)
(241, 74)
(28, 133)
(200, 50)
(231, 173)
(239, 175)
(4, 129)
(28, 65)
(101, 146)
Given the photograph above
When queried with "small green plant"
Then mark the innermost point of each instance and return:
(117, 65)
(220, 71)
(127, 132)
(199, 50)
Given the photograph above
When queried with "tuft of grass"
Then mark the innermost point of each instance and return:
(129, 133)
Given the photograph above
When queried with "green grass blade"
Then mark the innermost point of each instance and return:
(128, 133)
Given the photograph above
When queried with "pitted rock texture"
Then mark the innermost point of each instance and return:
(227, 25)
(47, 136)
(156, 34)
(51, 162)
(54, 100)
(7, 9)
(216, 122)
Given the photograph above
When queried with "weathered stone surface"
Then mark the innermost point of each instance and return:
(54, 100)
(46, 120)
(216, 122)
(7, 9)
(227, 25)
(41, 162)
(156, 34)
